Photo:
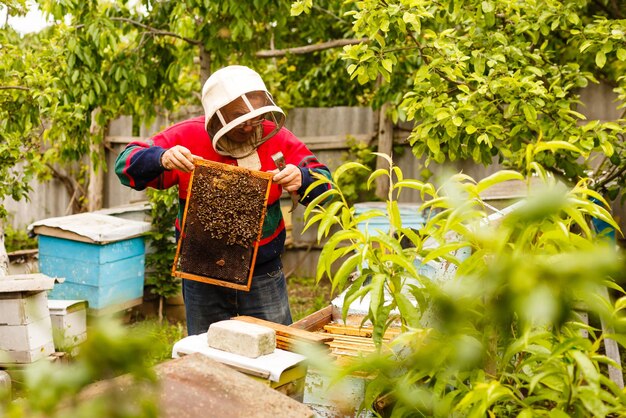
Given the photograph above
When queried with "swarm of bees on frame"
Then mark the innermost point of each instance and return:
(229, 205)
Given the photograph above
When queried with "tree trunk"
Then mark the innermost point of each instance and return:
(385, 146)
(205, 64)
(4, 257)
(95, 190)
(161, 309)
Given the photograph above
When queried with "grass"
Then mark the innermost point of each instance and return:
(163, 336)
(306, 296)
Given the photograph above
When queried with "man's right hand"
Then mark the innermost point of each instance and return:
(178, 158)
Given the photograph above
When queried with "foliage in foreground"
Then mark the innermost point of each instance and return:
(498, 337)
(54, 390)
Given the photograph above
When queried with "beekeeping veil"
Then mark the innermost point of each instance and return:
(235, 96)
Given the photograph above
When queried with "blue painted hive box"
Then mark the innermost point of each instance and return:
(101, 257)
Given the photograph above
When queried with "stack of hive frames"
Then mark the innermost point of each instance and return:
(222, 224)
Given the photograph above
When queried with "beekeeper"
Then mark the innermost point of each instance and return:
(241, 126)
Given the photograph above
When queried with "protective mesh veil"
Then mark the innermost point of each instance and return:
(240, 126)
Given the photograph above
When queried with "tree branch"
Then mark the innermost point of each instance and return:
(14, 88)
(612, 11)
(73, 189)
(156, 31)
(328, 12)
(616, 9)
(308, 48)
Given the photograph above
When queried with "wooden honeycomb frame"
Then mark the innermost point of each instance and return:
(222, 224)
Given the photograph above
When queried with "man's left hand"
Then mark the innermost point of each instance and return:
(289, 177)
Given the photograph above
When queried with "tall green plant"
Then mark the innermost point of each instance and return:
(501, 336)
(162, 244)
(354, 183)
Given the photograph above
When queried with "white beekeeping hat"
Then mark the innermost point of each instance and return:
(234, 96)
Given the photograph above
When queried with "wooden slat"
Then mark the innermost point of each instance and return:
(330, 142)
(359, 348)
(353, 339)
(292, 344)
(27, 283)
(316, 320)
(284, 330)
(360, 332)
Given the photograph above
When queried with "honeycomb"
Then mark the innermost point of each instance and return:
(222, 224)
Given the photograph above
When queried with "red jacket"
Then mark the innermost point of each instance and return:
(138, 166)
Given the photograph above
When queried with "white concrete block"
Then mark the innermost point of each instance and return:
(245, 339)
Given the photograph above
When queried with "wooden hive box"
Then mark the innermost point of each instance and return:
(69, 323)
(25, 326)
(345, 341)
(222, 224)
(101, 257)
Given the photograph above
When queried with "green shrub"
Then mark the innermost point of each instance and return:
(17, 239)
(499, 337)
(162, 243)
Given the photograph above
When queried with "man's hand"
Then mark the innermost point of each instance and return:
(178, 158)
(289, 177)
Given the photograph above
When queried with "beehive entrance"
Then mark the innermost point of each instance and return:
(222, 224)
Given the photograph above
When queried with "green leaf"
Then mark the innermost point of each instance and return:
(585, 45)
(487, 6)
(577, 217)
(347, 267)
(386, 241)
(387, 64)
(319, 199)
(347, 167)
(433, 145)
(600, 59)
(402, 261)
(555, 146)
(498, 177)
(529, 112)
(621, 54)
(327, 222)
(379, 172)
(408, 312)
(370, 214)
(592, 401)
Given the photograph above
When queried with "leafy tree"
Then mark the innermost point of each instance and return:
(485, 79)
(101, 59)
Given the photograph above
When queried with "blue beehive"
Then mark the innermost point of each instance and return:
(410, 215)
(101, 257)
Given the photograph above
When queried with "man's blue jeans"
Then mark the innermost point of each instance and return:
(206, 303)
